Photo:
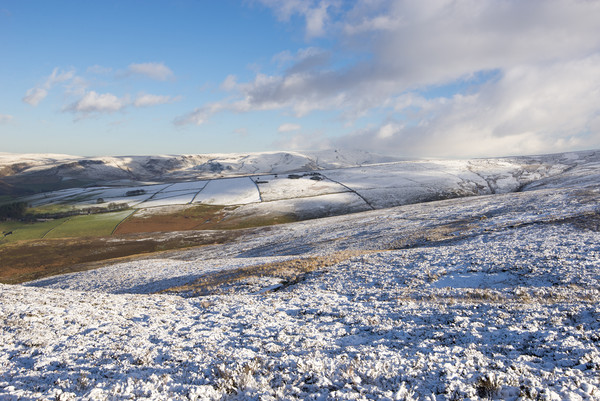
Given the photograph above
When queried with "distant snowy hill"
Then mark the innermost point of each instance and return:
(322, 184)
(15, 169)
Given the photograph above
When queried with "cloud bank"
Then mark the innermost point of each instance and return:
(441, 78)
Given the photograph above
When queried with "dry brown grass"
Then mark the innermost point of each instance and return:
(519, 296)
(29, 260)
(439, 233)
(288, 272)
(197, 217)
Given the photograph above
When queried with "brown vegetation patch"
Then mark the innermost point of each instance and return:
(181, 219)
(146, 232)
(518, 296)
(440, 233)
(29, 260)
(288, 272)
(588, 221)
(197, 217)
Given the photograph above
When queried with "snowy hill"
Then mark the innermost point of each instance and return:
(491, 296)
(293, 184)
(17, 171)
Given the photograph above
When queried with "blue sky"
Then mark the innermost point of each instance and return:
(410, 78)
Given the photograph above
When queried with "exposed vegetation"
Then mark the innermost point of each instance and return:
(287, 272)
(135, 192)
(29, 260)
(201, 217)
(57, 211)
(174, 219)
(92, 225)
(95, 225)
(14, 231)
(34, 249)
(12, 210)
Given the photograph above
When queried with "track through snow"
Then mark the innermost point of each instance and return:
(488, 297)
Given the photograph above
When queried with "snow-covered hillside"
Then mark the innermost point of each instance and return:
(483, 297)
(335, 191)
(169, 168)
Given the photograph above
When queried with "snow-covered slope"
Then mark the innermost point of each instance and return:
(182, 167)
(378, 185)
(483, 297)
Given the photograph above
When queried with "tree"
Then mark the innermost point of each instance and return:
(13, 210)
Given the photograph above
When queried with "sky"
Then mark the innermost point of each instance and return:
(409, 78)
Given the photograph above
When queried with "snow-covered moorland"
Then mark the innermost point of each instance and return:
(486, 297)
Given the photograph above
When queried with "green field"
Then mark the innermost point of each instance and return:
(93, 225)
(26, 231)
(56, 208)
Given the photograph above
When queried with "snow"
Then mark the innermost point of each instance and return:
(175, 194)
(230, 191)
(192, 186)
(166, 199)
(147, 276)
(275, 187)
(7, 159)
(53, 197)
(493, 296)
(307, 207)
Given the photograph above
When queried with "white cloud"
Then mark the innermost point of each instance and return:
(4, 118)
(314, 12)
(77, 86)
(157, 71)
(145, 100)
(316, 18)
(307, 60)
(58, 76)
(288, 127)
(388, 130)
(229, 83)
(434, 43)
(35, 95)
(199, 115)
(93, 102)
(90, 101)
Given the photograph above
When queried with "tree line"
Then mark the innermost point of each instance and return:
(15, 210)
